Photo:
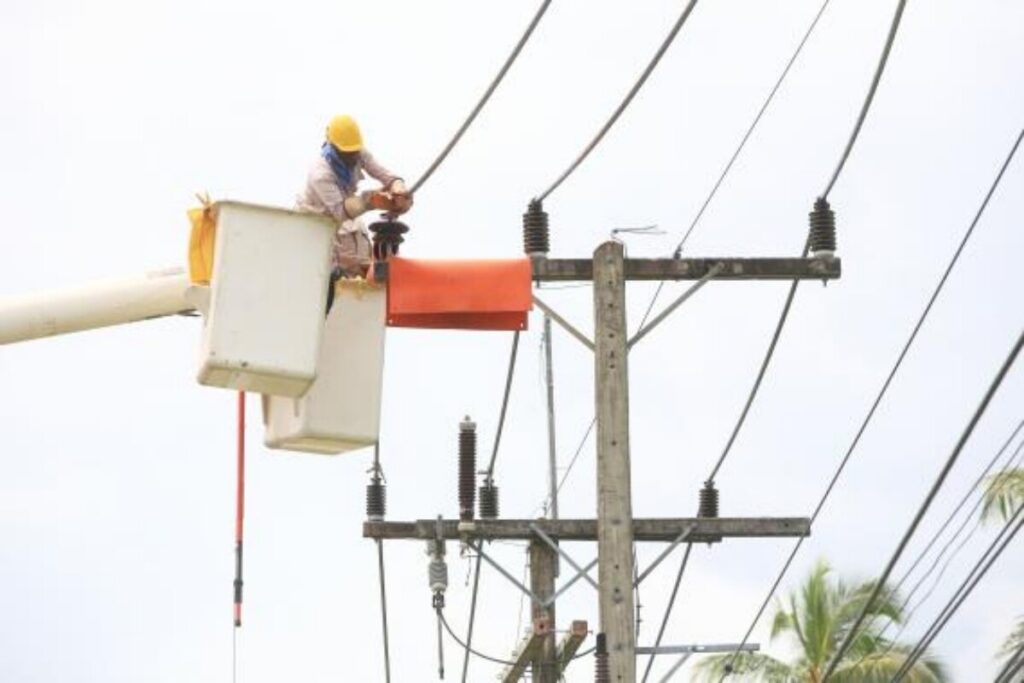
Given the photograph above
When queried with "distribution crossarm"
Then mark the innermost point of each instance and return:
(705, 530)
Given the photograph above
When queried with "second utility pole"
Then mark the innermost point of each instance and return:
(614, 499)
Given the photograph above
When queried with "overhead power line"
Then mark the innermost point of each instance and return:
(926, 503)
(668, 608)
(1011, 462)
(881, 394)
(750, 129)
(739, 149)
(963, 592)
(625, 102)
(945, 566)
(869, 98)
(486, 96)
(792, 289)
(504, 402)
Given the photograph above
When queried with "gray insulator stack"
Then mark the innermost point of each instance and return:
(438, 574)
(467, 469)
(489, 500)
(535, 230)
(602, 673)
(823, 229)
(376, 500)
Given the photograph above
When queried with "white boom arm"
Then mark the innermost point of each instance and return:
(101, 304)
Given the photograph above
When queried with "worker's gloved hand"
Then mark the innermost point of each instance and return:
(381, 201)
(400, 196)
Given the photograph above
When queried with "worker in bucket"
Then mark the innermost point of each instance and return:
(332, 190)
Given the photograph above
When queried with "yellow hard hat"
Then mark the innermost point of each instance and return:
(343, 133)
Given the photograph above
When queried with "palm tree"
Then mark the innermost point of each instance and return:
(817, 618)
(1004, 494)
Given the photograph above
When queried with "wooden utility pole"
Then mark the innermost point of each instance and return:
(543, 566)
(614, 500)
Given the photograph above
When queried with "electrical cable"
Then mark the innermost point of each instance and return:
(495, 660)
(668, 609)
(760, 373)
(383, 610)
(576, 455)
(963, 592)
(1013, 665)
(489, 475)
(378, 472)
(486, 96)
(625, 102)
(870, 96)
(881, 581)
(881, 393)
(472, 619)
(504, 402)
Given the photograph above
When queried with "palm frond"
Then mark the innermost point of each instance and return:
(1013, 642)
(1004, 495)
(881, 667)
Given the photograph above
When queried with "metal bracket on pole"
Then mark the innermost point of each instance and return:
(526, 591)
(697, 649)
(547, 539)
(675, 667)
(501, 570)
(565, 324)
(715, 270)
(665, 553)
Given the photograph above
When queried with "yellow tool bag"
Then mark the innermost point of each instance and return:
(201, 241)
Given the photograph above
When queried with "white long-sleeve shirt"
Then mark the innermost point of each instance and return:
(324, 194)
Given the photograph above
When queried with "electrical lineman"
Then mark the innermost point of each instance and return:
(332, 190)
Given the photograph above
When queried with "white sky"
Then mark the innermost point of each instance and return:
(117, 471)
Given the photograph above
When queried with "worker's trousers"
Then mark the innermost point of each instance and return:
(352, 253)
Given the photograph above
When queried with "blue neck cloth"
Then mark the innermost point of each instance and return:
(341, 171)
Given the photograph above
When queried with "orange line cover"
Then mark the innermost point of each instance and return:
(459, 295)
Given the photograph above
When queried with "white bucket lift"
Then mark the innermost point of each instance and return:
(341, 411)
(263, 314)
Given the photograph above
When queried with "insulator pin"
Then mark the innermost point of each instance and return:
(467, 469)
(708, 501)
(376, 500)
(489, 500)
(535, 230)
(823, 229)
